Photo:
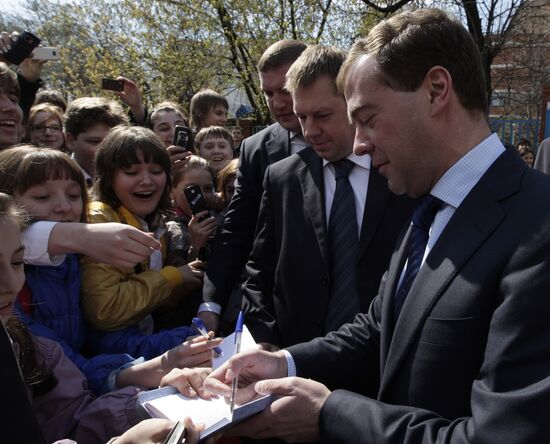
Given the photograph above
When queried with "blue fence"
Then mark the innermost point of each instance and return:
(513, 130)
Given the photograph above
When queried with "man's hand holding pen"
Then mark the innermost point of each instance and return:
(293, 417)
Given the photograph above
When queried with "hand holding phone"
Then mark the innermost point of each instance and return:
(46, 53)
(196, 200)
(22, 47)
(112, 84)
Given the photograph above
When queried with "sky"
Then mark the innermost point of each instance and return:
(9, 5)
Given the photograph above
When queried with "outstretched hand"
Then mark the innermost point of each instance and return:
(112, 243)
(196, 352)
(201, 226)
(131, 96)
(179, 157)
(6, 41)
(189, 381)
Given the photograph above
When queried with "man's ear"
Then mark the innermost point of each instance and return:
(440, 87)
(70, 140)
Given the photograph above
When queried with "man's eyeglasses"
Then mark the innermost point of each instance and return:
(44, 128)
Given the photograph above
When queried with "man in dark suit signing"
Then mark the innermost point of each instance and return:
(328, 222)
(233, 243)
(459, 330)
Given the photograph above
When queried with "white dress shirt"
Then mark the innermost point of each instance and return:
(297, 142)
(457, 182)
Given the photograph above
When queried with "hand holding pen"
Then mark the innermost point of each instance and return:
(201, 328)
(238, 338)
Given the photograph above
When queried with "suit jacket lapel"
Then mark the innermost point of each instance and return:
(378, 196)
(310, 175)
(473, 222)
(278, 147)
(394, 272)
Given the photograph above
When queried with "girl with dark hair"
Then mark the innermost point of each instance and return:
(133, 187)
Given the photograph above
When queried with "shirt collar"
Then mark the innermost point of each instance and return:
(363, 161)
(453, 187)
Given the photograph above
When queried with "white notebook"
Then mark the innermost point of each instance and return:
(168, 403)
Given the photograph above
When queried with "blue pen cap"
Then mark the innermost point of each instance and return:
(240, 322)
(197, 322)
(199, 325)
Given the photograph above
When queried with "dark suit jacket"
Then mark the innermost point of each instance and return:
(287, 293)
(233, 243)
(469, 359)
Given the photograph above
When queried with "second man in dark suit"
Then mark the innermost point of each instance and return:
(233, 244)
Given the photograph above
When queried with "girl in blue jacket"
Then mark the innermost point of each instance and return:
(51, 187)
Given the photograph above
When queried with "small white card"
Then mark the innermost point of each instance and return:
(228, 347)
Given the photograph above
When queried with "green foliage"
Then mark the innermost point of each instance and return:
(173, 48)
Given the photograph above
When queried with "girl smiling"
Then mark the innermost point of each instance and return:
(133, 187)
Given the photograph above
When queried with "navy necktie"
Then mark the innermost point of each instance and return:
(343, 238)
(422, 219)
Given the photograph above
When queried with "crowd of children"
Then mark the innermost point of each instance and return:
(100, 287)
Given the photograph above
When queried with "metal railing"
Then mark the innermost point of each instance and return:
(513, 130)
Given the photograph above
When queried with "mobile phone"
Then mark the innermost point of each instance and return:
(22, 47)
(176, 435)
(196, 200)
(112, 84)
(183, 136)
(46, 53)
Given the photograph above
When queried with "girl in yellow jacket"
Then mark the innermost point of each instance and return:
(132, 186)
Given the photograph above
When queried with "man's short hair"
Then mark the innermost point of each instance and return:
(212, 132)
(82, 114)
(406, 46)
(8, 80)
(202, 102)
(316, 61)
(281, 53)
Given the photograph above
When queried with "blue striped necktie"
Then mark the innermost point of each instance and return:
(343, 239)
(422, 219)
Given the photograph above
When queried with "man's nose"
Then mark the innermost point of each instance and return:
(310, 129)
(361, 143)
